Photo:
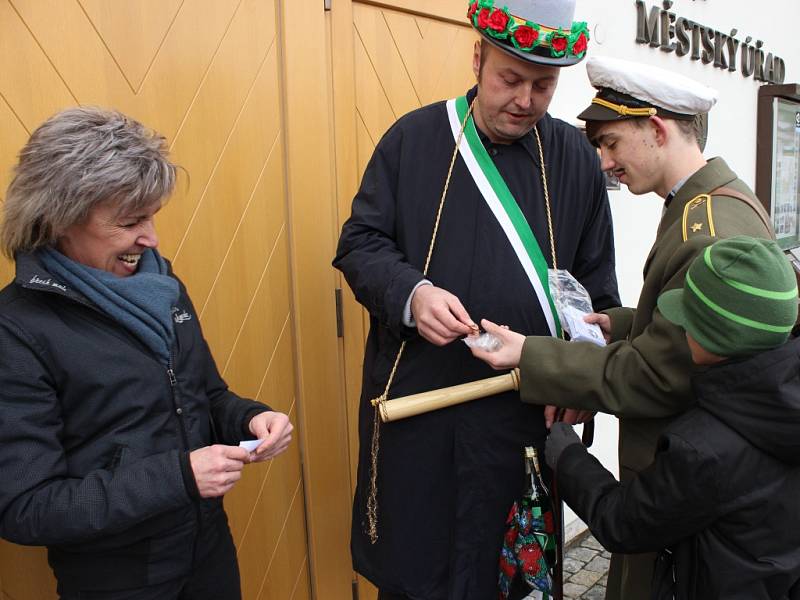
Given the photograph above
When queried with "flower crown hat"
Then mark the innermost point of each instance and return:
(537, 31)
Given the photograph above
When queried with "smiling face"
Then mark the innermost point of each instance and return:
(110, 240)
(630, 150)
(512, 94)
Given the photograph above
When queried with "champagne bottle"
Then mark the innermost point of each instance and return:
(541, 506)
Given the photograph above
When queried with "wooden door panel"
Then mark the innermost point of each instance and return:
(207, 75)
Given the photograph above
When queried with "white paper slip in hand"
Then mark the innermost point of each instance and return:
(250, 445)
(580, 330)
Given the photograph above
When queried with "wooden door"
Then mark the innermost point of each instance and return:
(231, 84)
(389, 58)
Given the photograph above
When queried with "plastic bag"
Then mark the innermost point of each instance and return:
(484, 341)
(573, 303)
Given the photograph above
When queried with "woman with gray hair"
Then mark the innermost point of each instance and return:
(118, 435)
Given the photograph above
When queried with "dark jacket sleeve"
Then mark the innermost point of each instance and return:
(675, 497)
(621, 322)
(230, 413)
(595, 265)
(368, 254)
(39, 503)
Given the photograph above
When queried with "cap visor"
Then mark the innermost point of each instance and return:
(595, 112)
(670, 303)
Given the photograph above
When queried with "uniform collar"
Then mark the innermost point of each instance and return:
(673, 192)
(714, 174)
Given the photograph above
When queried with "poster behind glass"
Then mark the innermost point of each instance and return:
(786, 172)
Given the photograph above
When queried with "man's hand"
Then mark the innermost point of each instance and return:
(276, 431)
(604, 321)
(561, 436)
(217, 468)
(571, 416)
(508, 355)
(440, 316)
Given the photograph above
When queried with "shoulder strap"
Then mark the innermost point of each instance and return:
(504, 207)
(754, 204)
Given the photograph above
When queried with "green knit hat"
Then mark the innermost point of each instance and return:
(739, 297)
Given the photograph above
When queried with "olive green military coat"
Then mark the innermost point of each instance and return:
(642, 376)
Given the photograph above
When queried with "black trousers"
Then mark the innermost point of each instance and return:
(214, 576)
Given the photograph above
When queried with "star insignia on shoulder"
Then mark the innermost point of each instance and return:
(697, 227)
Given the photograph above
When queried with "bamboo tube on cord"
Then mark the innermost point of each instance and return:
(416, 404)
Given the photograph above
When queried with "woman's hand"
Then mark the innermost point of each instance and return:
(276, 431)
(217, 468)
(508, 355)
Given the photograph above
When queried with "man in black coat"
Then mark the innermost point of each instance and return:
(446, 479)
(720, 500)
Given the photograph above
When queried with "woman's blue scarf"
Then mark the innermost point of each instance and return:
(142, 302)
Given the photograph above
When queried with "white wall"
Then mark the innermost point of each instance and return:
(732, 122)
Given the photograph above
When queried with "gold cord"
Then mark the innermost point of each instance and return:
(543, 171)
(378, 403)
(625, 111)
(546, 198)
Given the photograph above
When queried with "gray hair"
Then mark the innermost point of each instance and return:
(77, 159)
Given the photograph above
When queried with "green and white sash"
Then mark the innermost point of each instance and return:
(504, 207)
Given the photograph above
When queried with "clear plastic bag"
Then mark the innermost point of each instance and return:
(573, 303)
(484, 341)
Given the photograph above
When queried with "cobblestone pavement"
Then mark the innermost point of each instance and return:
(585, 570)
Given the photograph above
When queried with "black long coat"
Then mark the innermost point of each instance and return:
(446, 479)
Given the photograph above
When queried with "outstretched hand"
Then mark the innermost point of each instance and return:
(509, 353)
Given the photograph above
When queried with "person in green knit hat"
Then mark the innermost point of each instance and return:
(719, 503)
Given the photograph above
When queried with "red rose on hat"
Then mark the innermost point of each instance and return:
(498, 20)
(579, 47)
(472, 10)
(526, 36)
(558, 43)
(483, 18)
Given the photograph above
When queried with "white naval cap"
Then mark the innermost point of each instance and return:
(628, 89)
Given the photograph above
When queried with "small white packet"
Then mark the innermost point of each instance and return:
(485, 341)
(250, 445)
(580, 330)
(573, 303)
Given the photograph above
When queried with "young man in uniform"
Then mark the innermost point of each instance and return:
(445, 480)
(642, 121)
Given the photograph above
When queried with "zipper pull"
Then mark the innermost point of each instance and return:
(172, 379)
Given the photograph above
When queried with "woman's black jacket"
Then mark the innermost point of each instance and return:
(95, 435)
(722, 499)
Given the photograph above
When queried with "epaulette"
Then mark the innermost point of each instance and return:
(698, 218)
